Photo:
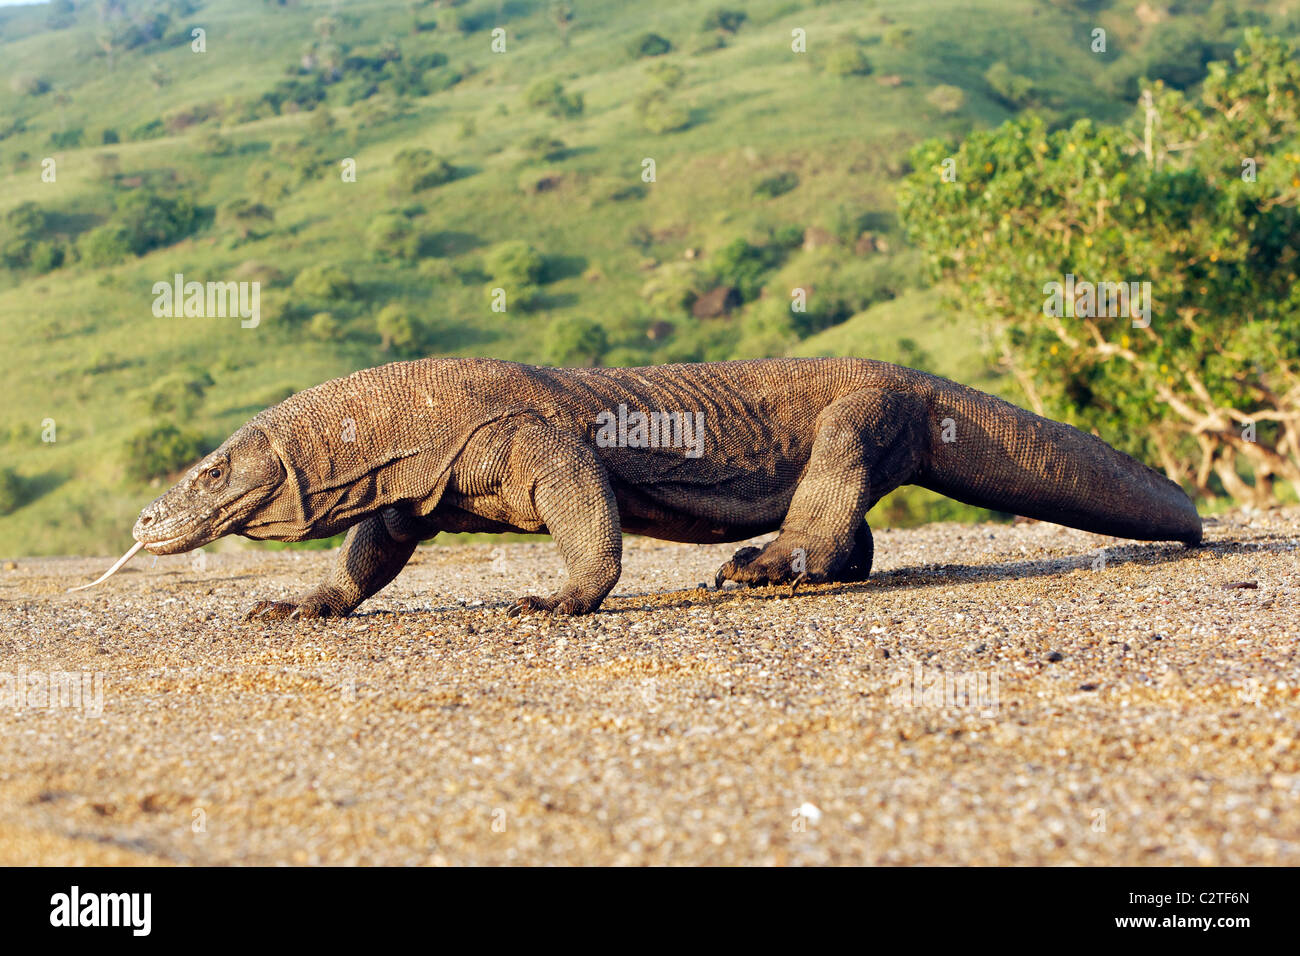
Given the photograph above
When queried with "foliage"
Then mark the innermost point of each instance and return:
(548, 95)
(575, 341)
(160, 451)
(1212, 384)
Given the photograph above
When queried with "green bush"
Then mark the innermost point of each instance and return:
(105, 246)
(325, 282)
(846, 58)
(542, 148)
(775, 185)
(150, 220)
(1011, 88)
(398, 329)
(548, 94)
(160, 451)
(392, 236)
(574, 340)
(514, 264)
(325, 327)
(946, 99)
(419, 169)
(178, 395)
(245, 215)
(660, 115)
(725, 21)
(649, 44)
(665, 74)
(743, 266)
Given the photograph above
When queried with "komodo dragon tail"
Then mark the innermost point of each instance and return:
(989, 453)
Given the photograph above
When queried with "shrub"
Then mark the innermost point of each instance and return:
(946, 99)
(27, 220)
(847, 59)
(325, 327)
(649, 44)
(392, 236)
(725, 21)
(743, 266)
(668, 75)
(179, 394)
(1011, 88)
(548, 94)
(150, 220)
(660, 115)
(245, 214)
(324, 281)
(398, 329)
(514, 263)
(574, 340)
(420, 169)
(776, 185)
(543, 148)
(160, 451)
(105, 246)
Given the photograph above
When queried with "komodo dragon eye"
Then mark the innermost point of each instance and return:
(215, 474)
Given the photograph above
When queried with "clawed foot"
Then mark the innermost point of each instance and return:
(775, 563)
(309, 608)
(561, 603)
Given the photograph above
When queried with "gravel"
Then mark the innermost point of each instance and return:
(996, 694)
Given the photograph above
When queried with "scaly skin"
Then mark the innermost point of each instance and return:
(804, 447)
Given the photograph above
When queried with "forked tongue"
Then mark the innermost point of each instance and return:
(113, 570)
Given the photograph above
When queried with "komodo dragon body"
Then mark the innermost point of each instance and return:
(700, 453)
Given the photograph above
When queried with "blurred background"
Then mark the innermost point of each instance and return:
(668, 182)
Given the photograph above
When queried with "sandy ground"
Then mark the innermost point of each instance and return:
(995, 694)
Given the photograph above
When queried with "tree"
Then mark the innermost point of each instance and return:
(562, 17)
(1199, 370)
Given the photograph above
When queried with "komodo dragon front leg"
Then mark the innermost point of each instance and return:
(527, 474)
(866, 445)
(372, 554)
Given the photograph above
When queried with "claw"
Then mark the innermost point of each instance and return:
(796, 582)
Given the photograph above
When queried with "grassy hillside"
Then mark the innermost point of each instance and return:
(774, 170)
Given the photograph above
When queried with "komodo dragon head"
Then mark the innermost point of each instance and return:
(225, 493)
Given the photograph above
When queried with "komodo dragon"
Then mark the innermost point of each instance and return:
(720, 451)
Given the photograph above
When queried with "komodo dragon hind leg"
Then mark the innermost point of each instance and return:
(866, 445)
(372, 554)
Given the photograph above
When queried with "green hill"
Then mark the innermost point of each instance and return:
(476, 169)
